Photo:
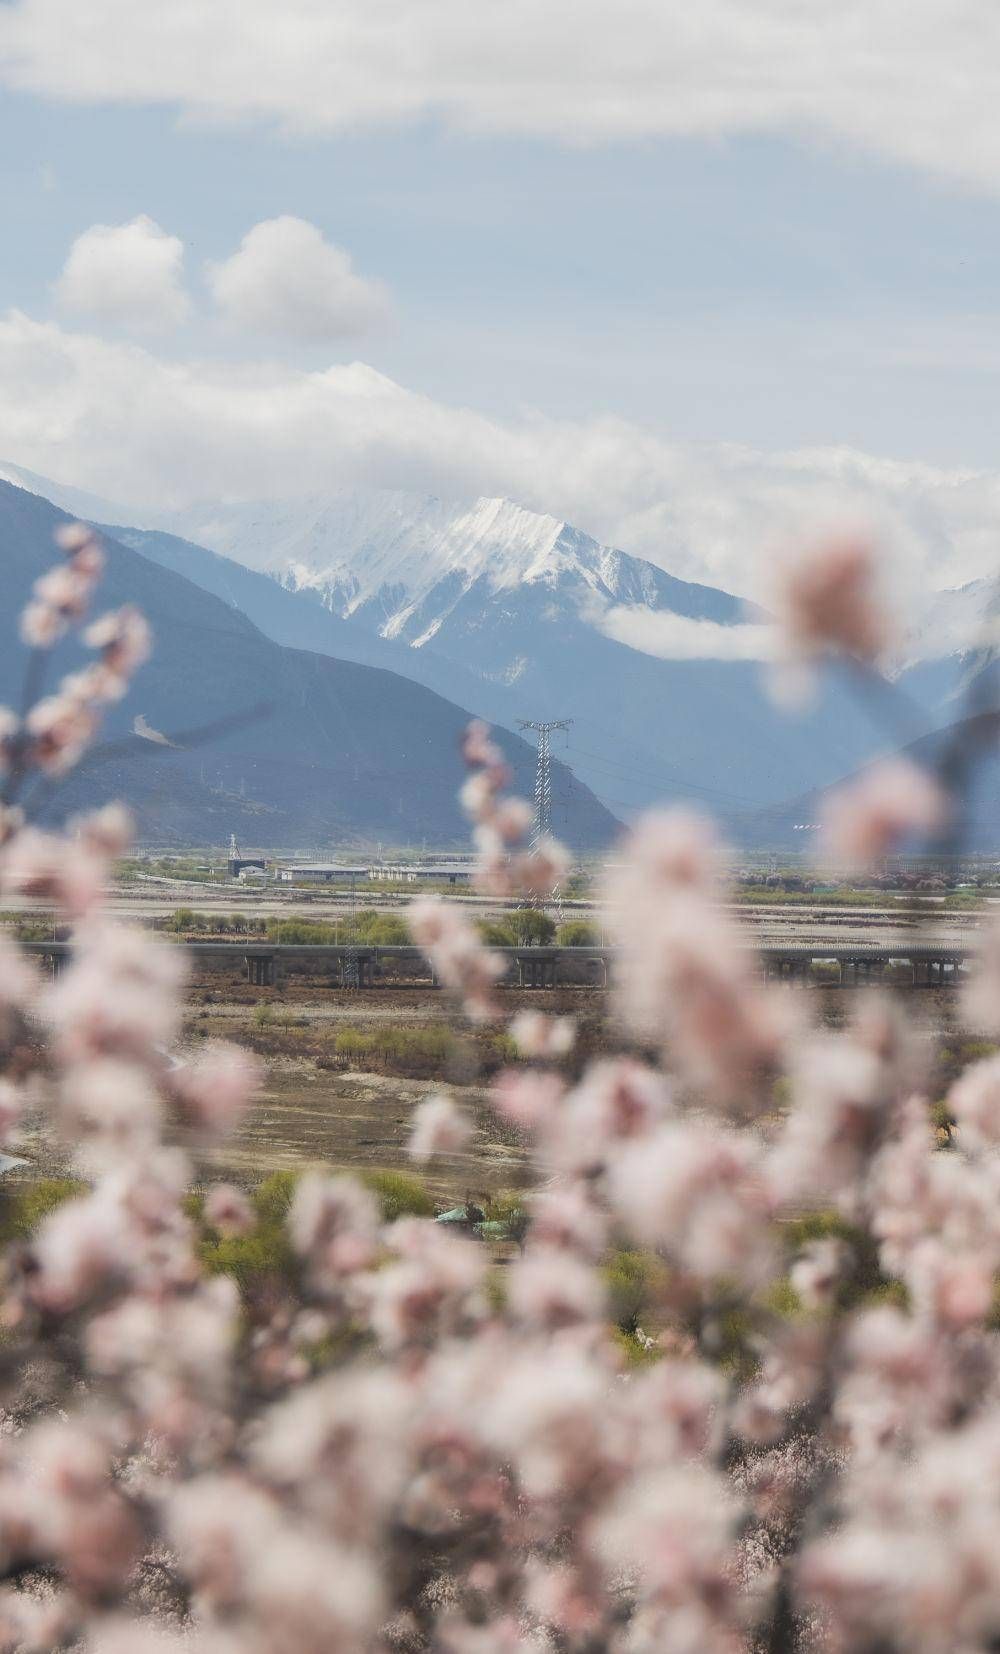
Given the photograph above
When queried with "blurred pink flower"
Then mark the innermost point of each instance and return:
(216, 1087)
(829, 598)
(228, 1210)
(439, 1127)
(887, 804)
(538, 1035)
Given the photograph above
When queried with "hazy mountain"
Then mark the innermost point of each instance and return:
(509, 612)
(523, 603)
(346, 751)
(793, 824)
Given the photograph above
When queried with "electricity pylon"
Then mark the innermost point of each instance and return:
(543, 783)
(543, 773)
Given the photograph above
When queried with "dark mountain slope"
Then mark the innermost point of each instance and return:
(789, 824)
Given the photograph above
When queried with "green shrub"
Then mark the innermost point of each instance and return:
(577, 933)
(22, 1209)
(407, 1050)
(303, 933)
(250, 1259)
(634, 1282)
(386, 930)
(529, 926)
(273, 1197)
(266, 1252)
(399, 1194)
(496, 933)
(186, 919)
(635, 1352)
(525, 927)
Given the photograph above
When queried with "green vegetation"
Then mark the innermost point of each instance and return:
(368, 926)
(399, 1194)
(634, 1281)
(265, 1253)
(524, 927)
(402, 1048)
(577, 933)
(23, 1208)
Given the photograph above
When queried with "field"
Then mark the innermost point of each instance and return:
(344, 1070)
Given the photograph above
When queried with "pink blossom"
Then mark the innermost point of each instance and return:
(842, 1094)
(974, 1099)
(12, 1105)
(105, 832)
(551, 1416)
(675, 1530)
(81, 1247)
(527, 1099)
(118, 997)
(73, 538)
(38, 864)
(538, 1035)
(478, 750)
(540, 870)
(549, 1288)
(60, 728)
(439, 1127)
(564, 1215)
(40, 625)
(816, 1274)
(216, 1087)
(617, 1099)
(228, 1210)
(434, 1288)
(830, 598)
(980, 1003)
(457, 954)
(699, 1192)
(18, 979)
(123, 638)
(887, 804)
(65, 590)
(342, 1446)
(667, 849)
(679, 1409)
(684, 977)
(511, 819)
(333, 1222)
(109, 1108)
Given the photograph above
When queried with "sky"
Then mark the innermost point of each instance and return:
(695, 278)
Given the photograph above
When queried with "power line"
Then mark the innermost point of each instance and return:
(668, 778)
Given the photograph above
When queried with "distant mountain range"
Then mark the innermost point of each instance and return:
(523, 615)
(302, 749)
(519, 615)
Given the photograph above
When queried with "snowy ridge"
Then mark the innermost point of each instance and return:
(408, 560)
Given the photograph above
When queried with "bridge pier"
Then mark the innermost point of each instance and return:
(536, 973)
(262, 970)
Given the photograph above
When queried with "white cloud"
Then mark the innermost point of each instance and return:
(128, 274)
(678, 637)
(117, 419)
(286, 280)
(914, 80)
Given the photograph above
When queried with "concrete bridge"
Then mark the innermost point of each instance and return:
(918, 964)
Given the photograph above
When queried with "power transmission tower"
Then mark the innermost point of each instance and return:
(351, 966)
(543, 773)
(543, 784)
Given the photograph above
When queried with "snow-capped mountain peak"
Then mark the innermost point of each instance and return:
(405, 562)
